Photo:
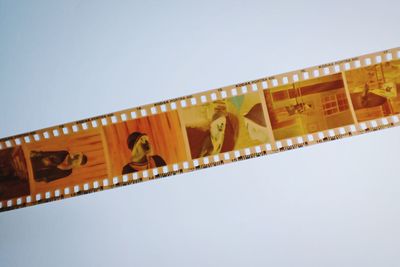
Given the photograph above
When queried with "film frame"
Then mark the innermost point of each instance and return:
(186, 162)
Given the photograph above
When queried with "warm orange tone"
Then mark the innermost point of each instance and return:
(88, 142)
(308, 106)
(375, 90)
(165, 136)
(243, 125)
(14, 178)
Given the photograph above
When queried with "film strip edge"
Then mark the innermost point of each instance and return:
(94, 129)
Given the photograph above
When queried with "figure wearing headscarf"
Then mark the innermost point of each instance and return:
(141, 154)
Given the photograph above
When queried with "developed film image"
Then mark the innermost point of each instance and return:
(375, 90)
(66, 161)
(145, 143)
(14, 178)
(225, 125)
(308, 106)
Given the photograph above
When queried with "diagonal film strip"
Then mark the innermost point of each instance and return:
(251, 119)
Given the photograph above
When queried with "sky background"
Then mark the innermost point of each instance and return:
(334, 204)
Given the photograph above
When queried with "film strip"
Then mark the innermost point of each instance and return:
(215, 127)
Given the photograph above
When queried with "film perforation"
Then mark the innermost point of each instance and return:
(228, 124)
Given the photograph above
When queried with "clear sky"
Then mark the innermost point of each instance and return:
(334, 204)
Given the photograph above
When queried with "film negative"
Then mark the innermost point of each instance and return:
(215, 127)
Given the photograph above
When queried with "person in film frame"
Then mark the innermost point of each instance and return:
(49, 166)
(219, 136)
(142, 157)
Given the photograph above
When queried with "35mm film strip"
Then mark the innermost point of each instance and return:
(215, 127)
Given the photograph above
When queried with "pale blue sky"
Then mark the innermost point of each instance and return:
(334, 204)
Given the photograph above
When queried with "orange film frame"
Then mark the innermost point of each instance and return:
(215, 127)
